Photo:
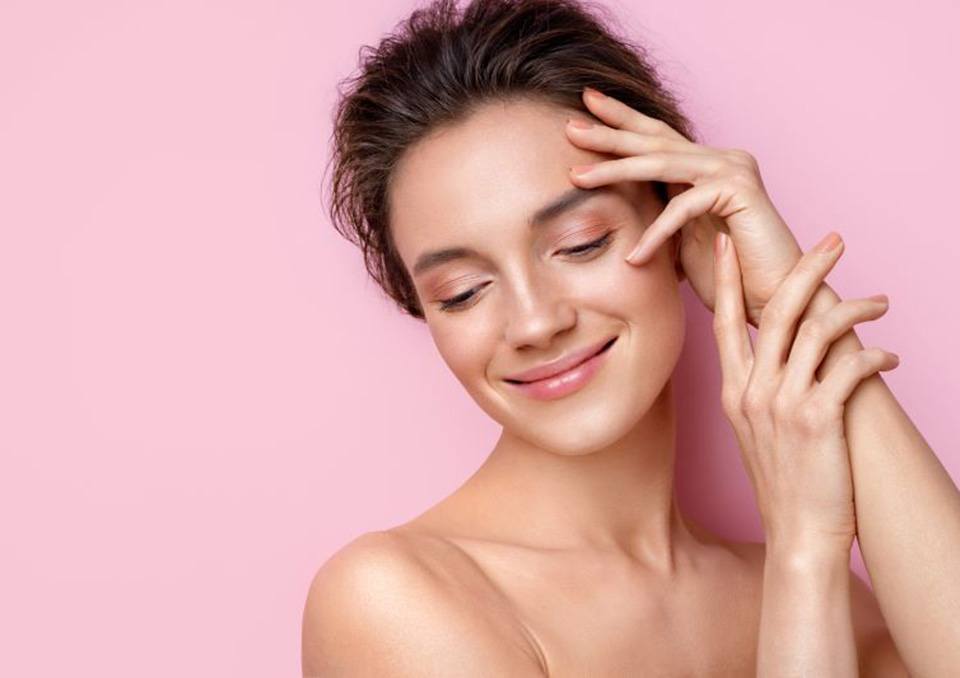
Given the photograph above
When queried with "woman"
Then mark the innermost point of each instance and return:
(566, 553)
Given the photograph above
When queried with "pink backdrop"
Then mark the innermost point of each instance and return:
(202, 396)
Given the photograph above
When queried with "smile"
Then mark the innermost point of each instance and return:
(566, 382)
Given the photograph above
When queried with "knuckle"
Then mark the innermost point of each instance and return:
(813, 330)
(718, 328)
(743, 169)
(853, 362)
(743, 157)
(811, 415)
(771, 314)
(811, 261)
(662, 127)
(730, 401)
(653, 144)
(681, 208)
(737, 182)
(715, 167)
(627, 144)
(810, 270)
(743, 177)
(753, 403)
(782, 405)
(720, 322)
(618, 143)
(657, 160)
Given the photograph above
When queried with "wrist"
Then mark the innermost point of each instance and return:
(802, 556)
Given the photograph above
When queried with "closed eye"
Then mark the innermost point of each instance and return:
(580, 250)
(460, 300)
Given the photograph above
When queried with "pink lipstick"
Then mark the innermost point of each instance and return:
(562, 383)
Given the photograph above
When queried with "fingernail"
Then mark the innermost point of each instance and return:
(879, 297)
(581, 169)
(636, 255)
(579, 123)
(596, 94)
(829, 242)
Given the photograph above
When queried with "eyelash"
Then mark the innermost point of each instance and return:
(455, 303)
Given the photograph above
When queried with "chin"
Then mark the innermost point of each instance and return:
(595, 426)
(578, 424)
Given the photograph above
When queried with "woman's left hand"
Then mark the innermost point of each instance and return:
(726, 194)
(790, 425)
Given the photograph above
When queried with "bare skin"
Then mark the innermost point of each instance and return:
(907, 505)
(565, 554)
(541, 612)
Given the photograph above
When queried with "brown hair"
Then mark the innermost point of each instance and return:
(443, 63)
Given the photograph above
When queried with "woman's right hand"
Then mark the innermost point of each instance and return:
(788, 424)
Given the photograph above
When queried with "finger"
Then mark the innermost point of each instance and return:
(678, 212)
(606, 139)
(815, 336)
(618, 114)
(850, 370)
(667, 166)
(779, 318)
(729, 321)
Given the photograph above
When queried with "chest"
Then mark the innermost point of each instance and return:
(603, 619)
(620, 637)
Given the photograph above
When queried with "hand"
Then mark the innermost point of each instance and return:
(726, 195)
(789, 425)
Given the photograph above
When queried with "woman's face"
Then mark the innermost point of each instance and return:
(510, 295)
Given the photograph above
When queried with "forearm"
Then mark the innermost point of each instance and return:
(806, 625)
(908, 519)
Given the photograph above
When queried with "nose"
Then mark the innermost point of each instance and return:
(539, 312)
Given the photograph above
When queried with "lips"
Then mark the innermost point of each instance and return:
(562, 364)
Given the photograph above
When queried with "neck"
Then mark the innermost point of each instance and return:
(618, 498)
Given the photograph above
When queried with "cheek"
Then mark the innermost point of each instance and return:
(465, 347)
(648, 300)
(623, 289)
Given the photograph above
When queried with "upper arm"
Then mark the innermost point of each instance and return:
(877, 654)
(374, 610)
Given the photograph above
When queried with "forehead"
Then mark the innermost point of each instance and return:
(471, 181)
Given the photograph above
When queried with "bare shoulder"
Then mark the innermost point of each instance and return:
(877, 653)
(387, 604)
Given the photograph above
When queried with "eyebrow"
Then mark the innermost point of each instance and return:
(561, 204)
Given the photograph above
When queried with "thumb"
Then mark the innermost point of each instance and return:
(677, 259)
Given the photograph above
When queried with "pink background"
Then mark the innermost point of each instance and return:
(201, 394)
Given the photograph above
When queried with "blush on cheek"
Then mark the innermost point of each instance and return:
(466, 349)
(622, 281)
